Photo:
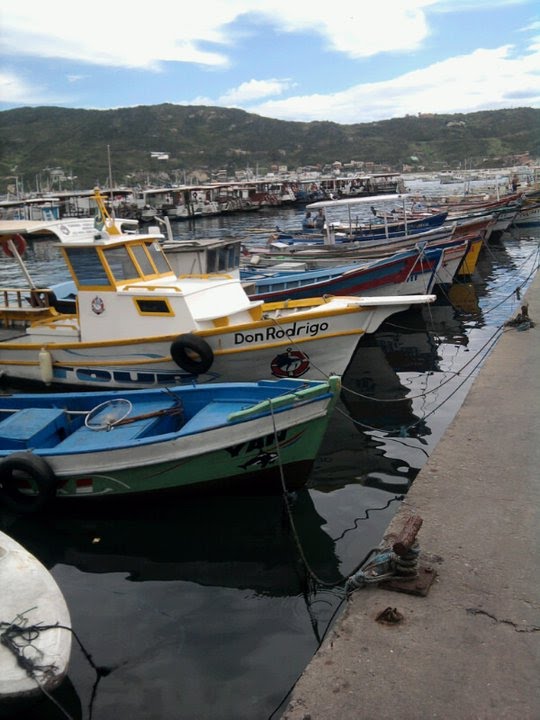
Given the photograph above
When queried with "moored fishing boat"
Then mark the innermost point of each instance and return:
(251, 436)
(137, 324)
(411, 271)
(528, 216)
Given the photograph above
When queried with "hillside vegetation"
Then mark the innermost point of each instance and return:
(35, 140)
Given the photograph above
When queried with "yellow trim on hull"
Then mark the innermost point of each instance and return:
(470, 260)
(167, 358)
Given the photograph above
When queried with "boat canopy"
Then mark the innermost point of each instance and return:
(355, 201)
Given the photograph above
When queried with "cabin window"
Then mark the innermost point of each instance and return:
(120, 263)
(143, 261)
(153, 307)
(223, 259)
(158, 257)
(234, 256)
(87, 267)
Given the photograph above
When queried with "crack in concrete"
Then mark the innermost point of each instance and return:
(527, 629)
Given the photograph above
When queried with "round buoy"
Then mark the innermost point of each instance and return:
(18, 241)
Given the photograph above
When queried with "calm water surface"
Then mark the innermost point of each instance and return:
(205, 610)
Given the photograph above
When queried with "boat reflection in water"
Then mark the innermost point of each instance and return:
(382, 425)
(192, 542)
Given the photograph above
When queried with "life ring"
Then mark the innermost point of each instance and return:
(192, 354)
(18, 241)
(38, 474)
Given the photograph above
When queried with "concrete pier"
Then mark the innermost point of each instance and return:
(470, 649)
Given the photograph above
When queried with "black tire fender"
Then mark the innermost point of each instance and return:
(26, 465)
(192, 353)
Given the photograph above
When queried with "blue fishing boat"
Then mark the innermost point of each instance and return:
(408, 272)
(258, 436)
(379, 228)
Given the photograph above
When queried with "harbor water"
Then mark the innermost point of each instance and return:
(211, 608)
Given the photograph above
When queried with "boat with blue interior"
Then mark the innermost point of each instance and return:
(255, 437)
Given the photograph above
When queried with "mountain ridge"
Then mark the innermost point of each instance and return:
(202, 140)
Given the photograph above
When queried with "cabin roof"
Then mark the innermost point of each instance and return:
(355, 201)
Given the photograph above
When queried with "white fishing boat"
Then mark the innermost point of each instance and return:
(138, 324)
(35, 630)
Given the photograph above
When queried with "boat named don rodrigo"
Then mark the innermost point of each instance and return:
(137, 324)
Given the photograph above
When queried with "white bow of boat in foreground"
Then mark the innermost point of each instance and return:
(35, 634)
(137, 324)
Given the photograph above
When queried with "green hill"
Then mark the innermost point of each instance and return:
(209, 139)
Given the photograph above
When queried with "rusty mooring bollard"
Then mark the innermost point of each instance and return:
(409, 576)
(407, 549)
(407, 537)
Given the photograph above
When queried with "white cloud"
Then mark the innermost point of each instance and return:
(13, 89)
(115, 35)
(118, 35)
(351, 28)
(484, 79)
(254, 90)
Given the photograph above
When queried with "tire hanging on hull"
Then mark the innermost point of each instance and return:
(33, 471)
(191, 353)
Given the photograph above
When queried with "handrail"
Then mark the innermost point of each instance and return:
(25, 297)
(142, 288)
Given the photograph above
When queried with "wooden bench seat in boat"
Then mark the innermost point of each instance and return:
(33, 428)
(227, 411)
(212, 414)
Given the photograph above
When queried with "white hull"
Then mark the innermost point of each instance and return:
(30, 596)
(449, 265)
(310, 344)
(527, 218)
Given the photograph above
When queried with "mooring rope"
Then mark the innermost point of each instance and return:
(17, 637)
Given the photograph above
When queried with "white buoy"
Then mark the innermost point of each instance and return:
(45, 366)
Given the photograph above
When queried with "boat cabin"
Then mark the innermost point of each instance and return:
(127, 275)
(204, 256)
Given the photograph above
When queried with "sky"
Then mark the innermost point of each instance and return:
(343, 61)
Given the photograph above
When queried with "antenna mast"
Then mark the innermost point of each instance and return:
(110, 180)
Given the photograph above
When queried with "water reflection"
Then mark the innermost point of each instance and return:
(464, 298)
(194, 543)
(150, 582)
